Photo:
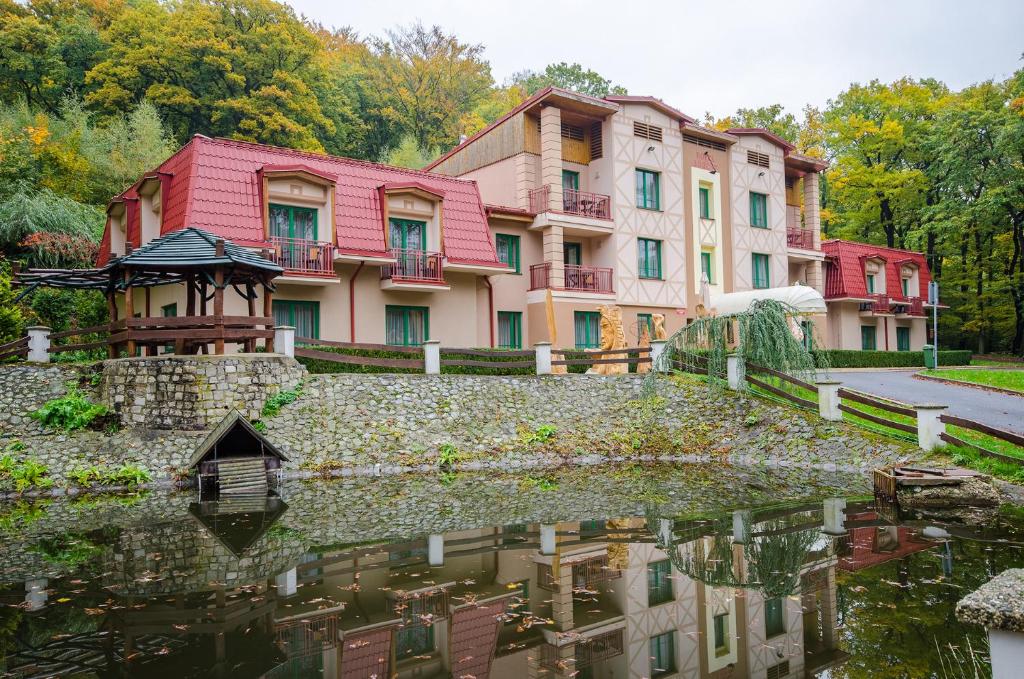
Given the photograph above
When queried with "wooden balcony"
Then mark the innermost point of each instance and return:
(303, 257)
(580, 278)
(580, 203)
(800, 238)
(414, 267)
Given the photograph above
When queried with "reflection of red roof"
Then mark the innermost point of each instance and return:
(850, 256)
(474, 635)
(214, 185)
(866, 550)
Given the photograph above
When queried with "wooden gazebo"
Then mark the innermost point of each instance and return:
(206, 264)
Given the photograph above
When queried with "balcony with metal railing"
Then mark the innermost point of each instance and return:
(576, 277)
(413, 268)
(879, 304)
(574, 202)
(303, 257)
(909, 306)
(797, 237)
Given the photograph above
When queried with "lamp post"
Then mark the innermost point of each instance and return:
(933, 299)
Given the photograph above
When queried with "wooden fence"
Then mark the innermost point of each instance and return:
(80, 333)
(628, 356)
(874, 402)
(782, 393)
(414, 362)
(16, 349)
(971, 425)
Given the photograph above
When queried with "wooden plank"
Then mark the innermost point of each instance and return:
(497, 365)
(361, 345)
(359, 360)
(868, 400)
(85, 346)
(1008, 436)
(21, 353)
(984, 452)
(783, 393)
(608, 352)
(782, 376)
(487, 352)
(909, 428)
(16, 344)
(79, 331)
(601, 361)
(171, 321)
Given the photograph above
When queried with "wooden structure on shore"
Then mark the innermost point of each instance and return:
(206, 264)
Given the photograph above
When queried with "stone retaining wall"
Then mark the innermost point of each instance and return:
(366, 423)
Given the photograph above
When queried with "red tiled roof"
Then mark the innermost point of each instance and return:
(850, 258)
(215, 186)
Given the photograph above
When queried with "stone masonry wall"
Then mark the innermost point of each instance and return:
(366, 423)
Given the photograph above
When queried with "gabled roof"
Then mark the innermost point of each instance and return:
(765, 134)
(850, 256)
(654, 103)
(214, 184)
(241, 430)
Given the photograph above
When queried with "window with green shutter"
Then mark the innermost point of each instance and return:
(648, 189)
(659, 582)
(510, 329)
(649, 258)
(663, 654)
(408, 234)
(761, 268)
(902, 339)
(871, 283)
(905, 283)
(721, 632)
(288, 221)
(508, 250)
(588, 329)
(303, 316)
(705, 266)
(808, 331)
(758, 210)
(774, 621)
(572, 253)
(570, 180)
(645, 321)
(169, 310)
(867, 337)
(704, 198)
(406, 325)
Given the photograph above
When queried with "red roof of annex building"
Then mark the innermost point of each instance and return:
(850, 257)
(216, 185)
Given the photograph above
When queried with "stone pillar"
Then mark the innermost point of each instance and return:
(562, 599)
(732, 371)
(657, 349)
(432, 357)
(742, 519)
(829, 610)
(814, 276)
(547, 539)
(39, 344)
(998, 605)
(284, 340)
(287, 583)
(812, 209)
(828, 400)
(929, 426)
(551, 155)
(543, 357)
(435, 550)
(554, 255)
(835, 516)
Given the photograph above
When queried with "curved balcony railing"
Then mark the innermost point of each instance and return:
(414, 266)
(303, 256)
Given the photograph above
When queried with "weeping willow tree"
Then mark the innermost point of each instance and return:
(762, 335)
(773, 558)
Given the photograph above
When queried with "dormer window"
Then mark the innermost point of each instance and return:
(871, 283)
(293, 222)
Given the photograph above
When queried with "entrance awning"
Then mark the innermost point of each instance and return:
(802, 298)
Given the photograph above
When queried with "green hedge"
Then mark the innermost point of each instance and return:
(317, 366)
(847, 358)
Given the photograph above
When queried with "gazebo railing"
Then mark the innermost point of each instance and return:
(189, 331)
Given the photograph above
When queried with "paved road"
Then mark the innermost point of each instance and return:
(999, 410)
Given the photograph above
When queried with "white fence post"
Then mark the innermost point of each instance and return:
(284, 340)
(657, 349)
(432, 357)
(835, 516)
(547, 539)
(435, 550)
(39, 344)
(732, 371)
(929, 427)
(543, 357)
(828, 400)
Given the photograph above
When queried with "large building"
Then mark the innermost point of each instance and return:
(590, 201)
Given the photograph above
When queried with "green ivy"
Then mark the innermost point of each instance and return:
(273, 405)
(71, 411)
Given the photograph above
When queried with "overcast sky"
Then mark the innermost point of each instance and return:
(703, 55)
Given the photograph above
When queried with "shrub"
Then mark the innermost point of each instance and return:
(848, 358)
(126, 475)
(449, 456)
(317, 366)
(71, 411)
(273, 405)
(23, 474)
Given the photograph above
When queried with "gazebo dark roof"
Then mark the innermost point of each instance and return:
(165, 260)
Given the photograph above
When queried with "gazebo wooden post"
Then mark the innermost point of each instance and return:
(129, 311)
(180, 345)
(218, 300)
(250, 298)
(112, 310)
(202, 312)
(150, 348)
(268, 312)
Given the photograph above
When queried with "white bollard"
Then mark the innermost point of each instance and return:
(284, 340)
(287, 583)
(39, 344)
(732, 371)
(435, 550)
(828, 400)
(432, 357)
(35, 594)
(657, 349)
(835, 516)
(929, 427)
(543, 358)
(547, 539)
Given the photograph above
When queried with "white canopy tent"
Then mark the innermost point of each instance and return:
(802, 298)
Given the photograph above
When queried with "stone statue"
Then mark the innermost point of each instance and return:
(645, 341)
(658, 320)
(613, 336)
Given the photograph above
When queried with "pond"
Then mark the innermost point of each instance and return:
(689, 571)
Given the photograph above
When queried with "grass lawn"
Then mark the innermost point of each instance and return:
(1004, 379)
